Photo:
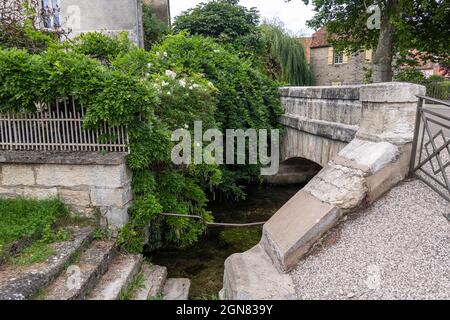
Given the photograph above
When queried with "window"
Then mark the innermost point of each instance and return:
(51, 10)
(338, 57)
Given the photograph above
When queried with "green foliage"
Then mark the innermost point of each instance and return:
(288, 55)
(135, 284)
(437, 86)
(154, 28)
(181, 80)
(241, 238)
(246, 97)
(22, 218)
(226, 21)
(36, 253)
(96, 45)
(415, 26)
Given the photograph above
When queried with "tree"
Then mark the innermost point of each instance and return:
(226, 21)
(405, 30)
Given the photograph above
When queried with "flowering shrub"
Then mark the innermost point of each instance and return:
(181, 80)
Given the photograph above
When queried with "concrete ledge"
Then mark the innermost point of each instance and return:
(59, 157)
(252, 276)
(330, 130)
(325, 92)
(367, 156)
(391, 92)
(291, 232)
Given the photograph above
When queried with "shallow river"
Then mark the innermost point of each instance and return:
(203, 262)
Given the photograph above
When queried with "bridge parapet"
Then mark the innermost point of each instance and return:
(319, 121)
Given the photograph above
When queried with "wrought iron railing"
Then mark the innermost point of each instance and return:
(58, 127)
(430, 160)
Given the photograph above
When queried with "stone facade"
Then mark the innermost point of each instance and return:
(351, 71)
(84, 181)
(329, 70)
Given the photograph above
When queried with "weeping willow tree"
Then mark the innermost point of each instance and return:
(286, 58)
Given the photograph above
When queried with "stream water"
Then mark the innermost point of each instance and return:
(203, 263)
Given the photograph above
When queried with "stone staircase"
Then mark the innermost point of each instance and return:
(89, 269)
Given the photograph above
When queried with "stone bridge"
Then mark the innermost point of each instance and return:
(362, 137)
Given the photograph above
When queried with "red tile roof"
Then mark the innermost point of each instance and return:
(319, 39)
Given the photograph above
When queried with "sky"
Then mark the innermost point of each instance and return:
(293, 14)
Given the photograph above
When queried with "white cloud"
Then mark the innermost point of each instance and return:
(293, 14)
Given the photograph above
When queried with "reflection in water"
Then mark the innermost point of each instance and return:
(203, 262)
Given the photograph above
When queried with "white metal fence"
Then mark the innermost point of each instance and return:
(58, 127)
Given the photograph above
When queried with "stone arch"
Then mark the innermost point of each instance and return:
(295, 170)
(316, 148)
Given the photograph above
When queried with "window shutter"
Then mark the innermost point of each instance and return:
(330, 55)
(369, 55)
(344, 58)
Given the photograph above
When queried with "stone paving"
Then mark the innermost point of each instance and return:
(399, 248)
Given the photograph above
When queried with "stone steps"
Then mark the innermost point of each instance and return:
(81, 277)
(176, 289)
(120, 272)
(154, 279)
(20, 283)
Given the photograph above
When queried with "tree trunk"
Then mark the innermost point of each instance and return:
(382, 61)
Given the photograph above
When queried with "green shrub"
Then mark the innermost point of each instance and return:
(98, 46)
(231, 24)
(21, 218)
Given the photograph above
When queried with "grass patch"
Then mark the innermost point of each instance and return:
(41, 294)
(36, 253)
(23, 218)
(157, 297)
(135, 284)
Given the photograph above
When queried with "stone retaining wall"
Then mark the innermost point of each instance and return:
(84, 181)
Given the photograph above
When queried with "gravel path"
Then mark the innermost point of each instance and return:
(399, 248)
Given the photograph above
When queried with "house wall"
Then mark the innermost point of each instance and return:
(110, 16)
(326, 74)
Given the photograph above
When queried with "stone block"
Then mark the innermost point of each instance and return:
(291, 232)
(389, 176)
(116, 218)
(393, 122)
(391, 92)
(252, 276)
(75, 197)
(17, 175)
(105, 197)
(339, 186)
(8, 192)
(367, 156)
(79, 175)
(38, 193)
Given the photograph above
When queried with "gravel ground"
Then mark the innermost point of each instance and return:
(399, 248)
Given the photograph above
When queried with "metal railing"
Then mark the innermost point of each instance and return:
(430, 159)
(58, 127)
